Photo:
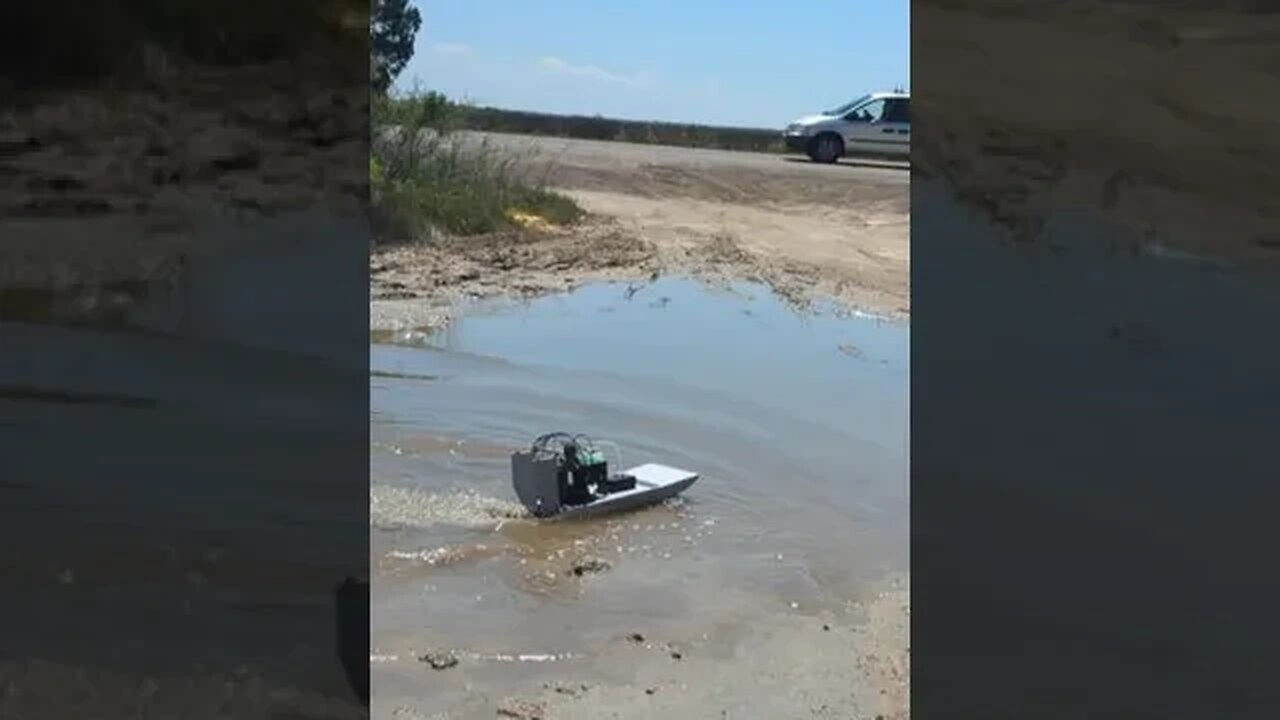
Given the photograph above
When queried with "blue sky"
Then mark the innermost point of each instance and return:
(744, 63)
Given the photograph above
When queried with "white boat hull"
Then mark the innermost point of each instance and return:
(654, 483)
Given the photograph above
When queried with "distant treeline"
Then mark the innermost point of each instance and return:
(601, 128)
(435, 110)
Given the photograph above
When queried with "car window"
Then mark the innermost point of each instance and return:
(867, 112)
(896, 111)
(847, 106)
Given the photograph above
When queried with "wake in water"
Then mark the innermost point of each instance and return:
(447, 554)
(391, 506)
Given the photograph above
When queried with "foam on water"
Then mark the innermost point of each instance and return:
(398, 507)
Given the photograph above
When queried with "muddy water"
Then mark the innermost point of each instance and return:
(162, 487)
(797, 423)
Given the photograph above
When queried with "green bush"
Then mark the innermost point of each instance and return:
(424, 110)
(423, 177)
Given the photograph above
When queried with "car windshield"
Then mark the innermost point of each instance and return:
(848, 106)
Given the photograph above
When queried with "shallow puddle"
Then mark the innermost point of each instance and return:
(797, 423)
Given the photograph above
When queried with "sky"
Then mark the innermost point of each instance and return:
(744, 63)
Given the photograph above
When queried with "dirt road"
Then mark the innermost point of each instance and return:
(809, 231)
(583, 156)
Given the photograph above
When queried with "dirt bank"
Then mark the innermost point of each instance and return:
(1154, 124)
(110, 191)
(809, 231)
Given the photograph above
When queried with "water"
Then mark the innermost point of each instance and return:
(1131, 431)
(797, 423)
(162, 491)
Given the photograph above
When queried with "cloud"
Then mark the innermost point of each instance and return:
(591, 72)
(454, 49)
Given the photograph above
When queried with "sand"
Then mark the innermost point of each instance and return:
(792, 667)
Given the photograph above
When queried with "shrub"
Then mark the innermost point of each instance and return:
(425, 177)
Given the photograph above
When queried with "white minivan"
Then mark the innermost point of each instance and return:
(878, 124)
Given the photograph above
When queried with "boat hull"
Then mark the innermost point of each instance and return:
(654, 483)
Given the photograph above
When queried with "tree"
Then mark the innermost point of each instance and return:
(392, 27)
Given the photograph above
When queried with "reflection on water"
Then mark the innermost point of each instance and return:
(801, 444)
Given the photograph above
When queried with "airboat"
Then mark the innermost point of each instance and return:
(563, 477)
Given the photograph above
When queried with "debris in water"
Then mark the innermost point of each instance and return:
(650, 691)
(567, 689)
(590, 565)
(528, 657)
(439, 660)
(521, 710)
(404, 507)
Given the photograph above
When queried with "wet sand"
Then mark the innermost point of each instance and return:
(1155, 129)
(821, 668)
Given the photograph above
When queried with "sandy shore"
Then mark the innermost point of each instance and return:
(809, 231)
(847, 664)
(854, 668)
(110, 193)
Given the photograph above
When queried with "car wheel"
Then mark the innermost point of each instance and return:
(826, 148)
